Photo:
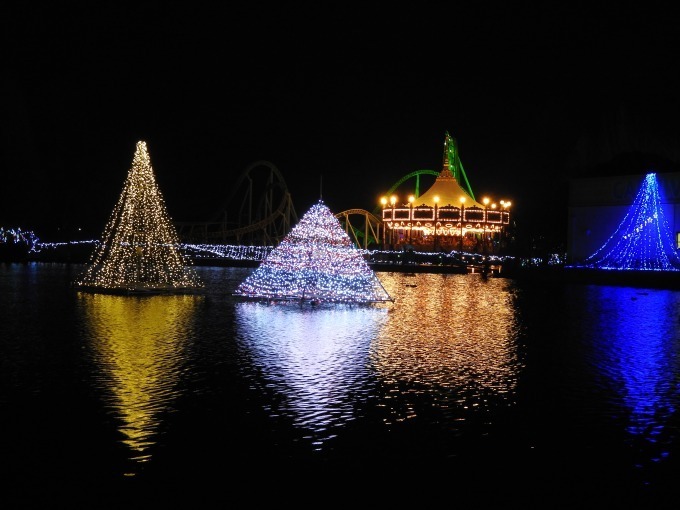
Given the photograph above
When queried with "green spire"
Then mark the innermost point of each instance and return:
(452, 164)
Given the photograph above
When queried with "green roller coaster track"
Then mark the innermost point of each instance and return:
(455, 165)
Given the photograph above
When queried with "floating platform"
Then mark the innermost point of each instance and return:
(140, 289)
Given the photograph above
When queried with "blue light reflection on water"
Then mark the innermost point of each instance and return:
(633, 340)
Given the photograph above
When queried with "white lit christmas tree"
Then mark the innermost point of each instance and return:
(315, 262)
(643, 240)
(139, 250)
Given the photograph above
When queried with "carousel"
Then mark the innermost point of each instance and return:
(446, 217)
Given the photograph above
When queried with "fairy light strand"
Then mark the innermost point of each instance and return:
(316, 261)
(643, 240)
(140, 247)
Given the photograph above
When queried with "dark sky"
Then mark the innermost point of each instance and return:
(346, 98)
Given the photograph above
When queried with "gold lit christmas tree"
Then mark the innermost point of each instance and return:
(139, 250)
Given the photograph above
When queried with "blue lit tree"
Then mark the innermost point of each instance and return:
(643, 241)
(315, 262)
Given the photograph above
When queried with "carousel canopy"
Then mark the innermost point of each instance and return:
(448, 190)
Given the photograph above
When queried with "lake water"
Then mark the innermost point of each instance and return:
(465, 389)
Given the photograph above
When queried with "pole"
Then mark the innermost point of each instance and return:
(410, 220)
(462, 215)
(435, 226)
(484, 232)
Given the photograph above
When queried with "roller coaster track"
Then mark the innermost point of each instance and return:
(371, 228)
(401, 181)
(249, 215)
(267, 220)
(452, 157)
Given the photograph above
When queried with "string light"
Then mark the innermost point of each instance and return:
(140, 248)
(315, 262)
(643, 240)
(16, 236)
(226, 251)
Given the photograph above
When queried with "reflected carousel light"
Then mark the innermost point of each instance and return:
(435, 332)
(137, 353)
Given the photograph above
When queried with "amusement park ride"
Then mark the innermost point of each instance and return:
(259, 211)
(447, 216)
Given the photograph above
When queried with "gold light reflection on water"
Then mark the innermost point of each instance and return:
(450, 337)
(138, 352)
(313, 359)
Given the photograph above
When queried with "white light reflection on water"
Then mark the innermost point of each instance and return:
(634, 342)
(138, 350)
(314, 359)
(450, 343)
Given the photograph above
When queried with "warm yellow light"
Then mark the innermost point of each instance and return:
(436, 199)
(508, 204)
(493, 206)
(411, 199)
(462, 200)
(139, 372)
(393, 199)
(383, 201)
(486, 200)
(140, 248)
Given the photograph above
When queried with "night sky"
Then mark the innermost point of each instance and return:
(344, 99)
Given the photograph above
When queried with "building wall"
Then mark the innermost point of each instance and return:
(598, 205)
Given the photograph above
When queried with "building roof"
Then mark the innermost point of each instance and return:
(449, 191)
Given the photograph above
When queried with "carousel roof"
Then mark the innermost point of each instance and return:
(449, 191)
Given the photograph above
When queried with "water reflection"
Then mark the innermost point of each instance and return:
(448, 342)
(313, 360)
(138, 352)
(451, 339)
(636, 351)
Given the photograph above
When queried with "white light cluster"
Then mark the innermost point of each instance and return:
(140, 248)
(18, 236)
(227, 251)
(643, 240)
(316, 261)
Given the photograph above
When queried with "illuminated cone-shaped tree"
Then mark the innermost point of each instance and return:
(139, 250)
(315, 262)
(643, 240)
